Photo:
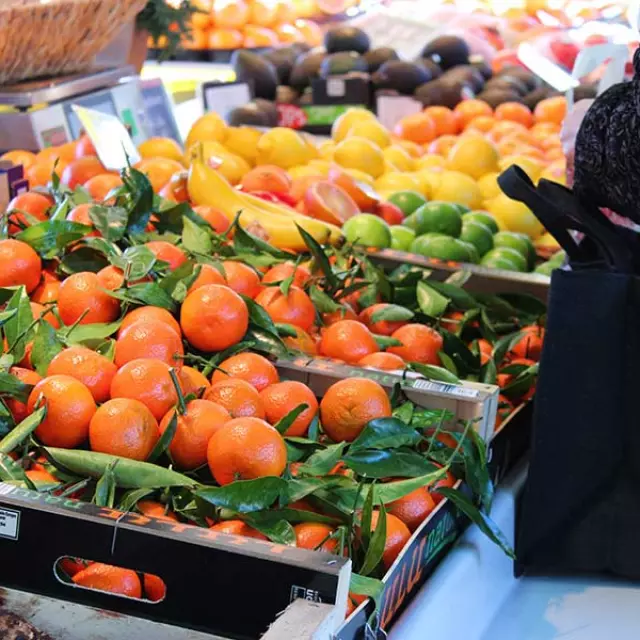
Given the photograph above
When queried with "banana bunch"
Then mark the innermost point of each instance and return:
(272, 222)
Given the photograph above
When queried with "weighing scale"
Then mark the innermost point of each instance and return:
(37, 114)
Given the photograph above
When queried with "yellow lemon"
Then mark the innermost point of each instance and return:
(397, 181)
(412, 148)
(489, 185)
(473, 155)
(161, 148)
(209, 127)
(361, 154)
(360, 176)
(312, 149)
(457, 187)
(371, 130)
(429, 181)
(326, 150)
(341, 126)
(283, 147)
(231, 166)
(399, 157)
(431, 161)
(243, 141)
(301, 171)
(546, 241)
(515, 216)
(532, 168)
(321, 167)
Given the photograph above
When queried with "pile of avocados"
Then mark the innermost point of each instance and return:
(444, 74)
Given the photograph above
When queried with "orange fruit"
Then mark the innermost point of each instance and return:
(515, 112)
(84, 147)
(250, 367)
(238, 397)
(530, 345)
(282, 398)
(20, 156)
(448, 481)
(268, 178)
(295, 308)
(149, 339)
(216, 219)
(19, 409)
(150, 314)
(208, 275)
(551, 110)
(155, 509)
(419, 127)
(104, 577)
(347, 340)
(82, 292)
(262, 13)
(288, 34)
(35, 204)
(398, 535)
(92, 369)
(382, 361)
(81, 170)
(467, 110)
(327, 201)
(214, 318)
(80, 214)
(381, 327)
(228, 15)
(149, 382)
(280, 272)
(413, 509)
(444, 119)
(19, 264)
(192, 381)
(101, 185)
(154, 587)
(482, 124)
(242, 278)
(442, 146)
(313, 536)
(40, 475)
(195, 428)
(167, 252)
(419, 344)
(47, 290)
(124, 427)
(237, 528)
(345, 312)
(302, 342)
(45, 313)
(348, 405)
(159, 170)
(225, 39)
(176, 189)
(70, 408)
(197, 39)
(245, 449)
(361, 193)
(256, 37)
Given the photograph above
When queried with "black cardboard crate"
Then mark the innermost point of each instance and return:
(482, 280)
(511, 442)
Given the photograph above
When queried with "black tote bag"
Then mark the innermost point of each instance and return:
(580, 510)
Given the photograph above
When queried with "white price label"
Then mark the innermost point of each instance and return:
(9, 524)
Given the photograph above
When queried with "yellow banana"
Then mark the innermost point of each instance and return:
(307, 223)
(208, 187)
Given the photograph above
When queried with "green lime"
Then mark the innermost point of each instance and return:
(438, 217)
(368, 230)
(504, 258)
(517, 241)
(462, 208)
(483, 217)
(478, 234)
(474, 254)
(401, 237)
(407, 201)
(442, 247)
(546, 268)
(558, 258)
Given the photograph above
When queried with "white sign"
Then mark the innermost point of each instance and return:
(391, 109)
(9, 524)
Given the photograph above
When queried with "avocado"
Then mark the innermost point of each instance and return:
(404, 77)
(346, 38)
(248, 114)
(305, 69)
(531, 80)
(466, 74)
(283, 60)
(482, 67)
(447, 51)
(430, 66)
(585, 92)
(507, 84)
(377, 57)
(257, 71)
(286, 95)
(270, 111)
(300, 48)
(340, 64)
(442, 93)
(495, 97)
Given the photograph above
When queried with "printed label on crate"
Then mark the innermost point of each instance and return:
(304, 593)
(9, 524)
(441, 387)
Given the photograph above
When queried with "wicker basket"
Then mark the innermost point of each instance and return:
(58, 36)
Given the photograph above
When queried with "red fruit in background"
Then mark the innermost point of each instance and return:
(564, 52)
(328, 202)
(390, 213)
(506, 58)
(176, 189)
